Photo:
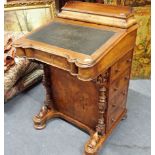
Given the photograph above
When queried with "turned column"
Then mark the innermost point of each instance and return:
(47, 109)
(92, 145)
(47, 86)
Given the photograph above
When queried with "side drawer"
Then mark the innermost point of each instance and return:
(119, 84)
(118, 101)
(113, 116)
(119, 67)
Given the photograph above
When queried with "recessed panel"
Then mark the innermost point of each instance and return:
(80, 39)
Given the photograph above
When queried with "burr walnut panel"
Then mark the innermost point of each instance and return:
(78, 102)
(85, 84)
(119, 83)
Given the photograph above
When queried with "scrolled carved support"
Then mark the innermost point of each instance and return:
(47, 85)
(91, 146)
(47, 109)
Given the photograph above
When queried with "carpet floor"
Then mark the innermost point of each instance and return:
(131, 137)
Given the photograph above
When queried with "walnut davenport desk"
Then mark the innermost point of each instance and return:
(87, 54)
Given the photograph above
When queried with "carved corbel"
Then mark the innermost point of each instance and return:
(91, 146)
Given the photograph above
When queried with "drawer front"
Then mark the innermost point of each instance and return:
(117, 98)
(113, 117)
(116, 107)
(118, 101)
(118, 68)
(119, 84)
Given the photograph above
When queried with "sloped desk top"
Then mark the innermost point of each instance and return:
(81, 39)
(82, 43)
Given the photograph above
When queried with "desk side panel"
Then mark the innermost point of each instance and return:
(75, 98)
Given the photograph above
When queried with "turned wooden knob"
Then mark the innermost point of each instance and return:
(115, 89)
(129, 60)
(124, 93)
(113, 105)
(117, 70)
(126, 77)
(113, 120)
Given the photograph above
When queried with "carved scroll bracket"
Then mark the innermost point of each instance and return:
(91, 145)
(102, 79)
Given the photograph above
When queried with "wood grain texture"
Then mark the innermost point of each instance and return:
(86, 64)
(89, 91)
(116, 16)
(93, 18)
(99, 9)
(75, 101)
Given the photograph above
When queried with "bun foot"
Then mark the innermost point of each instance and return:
(39, 125)
(41, 118)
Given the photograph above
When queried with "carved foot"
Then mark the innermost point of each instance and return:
(92, 145)
(41, 118)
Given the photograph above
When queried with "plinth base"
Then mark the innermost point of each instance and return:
(95, 141)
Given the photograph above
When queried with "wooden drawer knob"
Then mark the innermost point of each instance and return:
(113, 105)
(124, 93)
(129, 60)
(115, 89)
(126, 78)
(113, 120)
(117, 70)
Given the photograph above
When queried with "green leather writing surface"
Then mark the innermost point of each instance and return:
(80, 39)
